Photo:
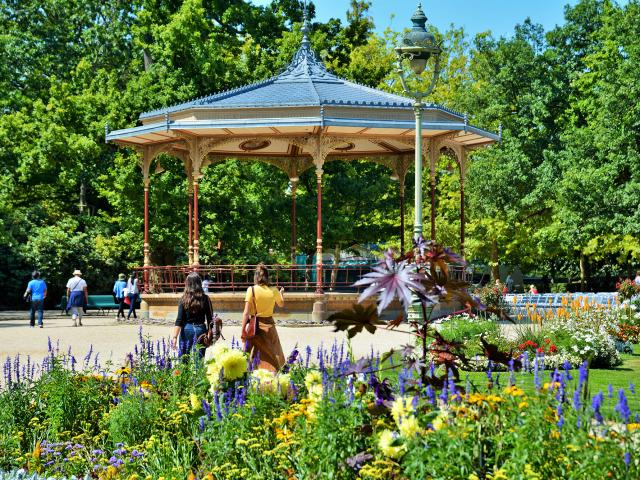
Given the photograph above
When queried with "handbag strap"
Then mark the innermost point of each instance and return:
(253, 297)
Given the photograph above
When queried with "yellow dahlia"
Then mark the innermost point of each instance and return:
(218, 350)
(401, 408)
(390, 445)
(234, 364)
(314, 377)
(409, 427)
(265, 380)
(284, 382)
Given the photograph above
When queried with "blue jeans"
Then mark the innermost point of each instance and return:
(133, 298)
(36, 306)
(188, 337)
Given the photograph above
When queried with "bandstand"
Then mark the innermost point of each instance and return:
(297, 120)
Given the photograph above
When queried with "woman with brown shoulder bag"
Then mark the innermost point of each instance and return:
(258, 327)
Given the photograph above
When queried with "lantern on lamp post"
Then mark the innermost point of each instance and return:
(417, 47)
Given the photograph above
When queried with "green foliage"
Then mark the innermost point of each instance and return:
(462, 328)
(560, 191)
(133, 420)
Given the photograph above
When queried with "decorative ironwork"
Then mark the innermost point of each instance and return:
(233, 278)
(252, 145)
(346, 147)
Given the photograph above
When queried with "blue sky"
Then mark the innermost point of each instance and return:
(499, 16)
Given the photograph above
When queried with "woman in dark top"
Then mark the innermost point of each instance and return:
(194, 313)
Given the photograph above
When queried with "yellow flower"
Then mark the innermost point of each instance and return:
(234, 364)
(402, 407)
(409, 427)
(195, 402)
(218, 350)
(316, 391)
(314, 377)
(522, 405)
(265, 380)
(514, 391)
(551, 386)
(531, 473)
(440, 421)
(284, 382)
(390, 445)
(498, 474)
(632, 427)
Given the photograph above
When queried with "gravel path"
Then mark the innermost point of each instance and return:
(114, 341)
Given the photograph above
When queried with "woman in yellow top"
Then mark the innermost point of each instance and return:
(266, 343)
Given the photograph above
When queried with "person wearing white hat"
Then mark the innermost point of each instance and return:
(77, 296)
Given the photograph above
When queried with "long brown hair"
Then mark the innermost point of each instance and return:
(193, 296)
(261, 275)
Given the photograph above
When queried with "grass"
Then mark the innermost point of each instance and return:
(599, 380)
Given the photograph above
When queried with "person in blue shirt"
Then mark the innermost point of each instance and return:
(37, 288)
(118, 294)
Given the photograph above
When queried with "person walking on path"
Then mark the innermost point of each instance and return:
(132, 293)
(260, 300)
(77, 297)
(37, 291)
(118, 294)
(194, 316)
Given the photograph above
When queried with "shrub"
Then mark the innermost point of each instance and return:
(627, 290)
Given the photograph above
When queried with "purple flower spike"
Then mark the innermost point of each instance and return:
(627, 459)
(391, 279)
(596, 404)
(623, 406)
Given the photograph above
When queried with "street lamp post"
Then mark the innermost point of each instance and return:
(418, 46)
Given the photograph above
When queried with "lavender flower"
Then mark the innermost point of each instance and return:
(627, 459)
(623, 406)
(391, 279)
(596, 404)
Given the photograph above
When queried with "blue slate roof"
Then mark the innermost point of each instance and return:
(305, 82)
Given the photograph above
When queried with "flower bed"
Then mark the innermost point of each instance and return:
(323, 416)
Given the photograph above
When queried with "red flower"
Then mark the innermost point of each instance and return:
(553, 349)
(540, 350)
(547, 340)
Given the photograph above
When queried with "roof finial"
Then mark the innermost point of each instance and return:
(305, 25)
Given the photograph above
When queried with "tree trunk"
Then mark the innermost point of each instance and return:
(584, 273)
(495, 267)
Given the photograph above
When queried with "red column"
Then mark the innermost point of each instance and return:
(196, 241)
(319, 289)
(402, 250)
(294, 221)
(190, 201)
(462, 216)
(463, 170)
(147, 259)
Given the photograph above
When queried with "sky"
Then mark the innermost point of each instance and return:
(499, 16)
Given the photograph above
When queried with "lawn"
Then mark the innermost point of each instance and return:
(599, 380)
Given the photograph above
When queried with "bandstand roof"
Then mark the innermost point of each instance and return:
(305, 100)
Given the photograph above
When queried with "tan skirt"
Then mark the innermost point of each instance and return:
(266, 344)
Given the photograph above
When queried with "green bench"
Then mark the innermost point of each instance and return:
(102, 303)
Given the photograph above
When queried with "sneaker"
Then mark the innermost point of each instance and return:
(79, 323)
(41, 326)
